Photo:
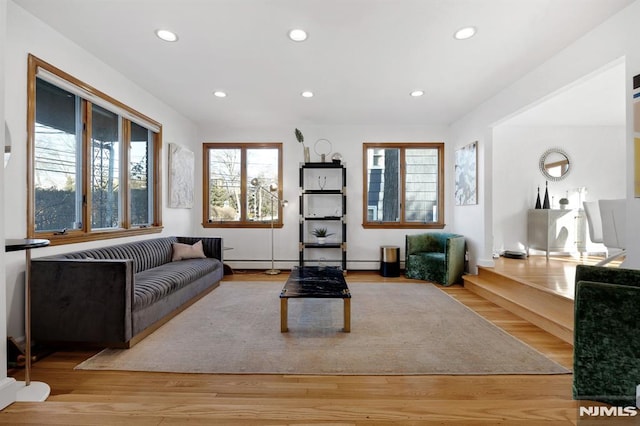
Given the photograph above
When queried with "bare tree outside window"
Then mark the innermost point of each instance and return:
(230, 198)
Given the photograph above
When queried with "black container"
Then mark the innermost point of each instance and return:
(390, 261)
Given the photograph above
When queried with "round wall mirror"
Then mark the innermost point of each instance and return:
(555, 164)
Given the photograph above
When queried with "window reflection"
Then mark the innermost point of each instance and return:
(383, 196)
(404, 184)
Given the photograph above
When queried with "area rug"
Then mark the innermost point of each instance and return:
(396, 329)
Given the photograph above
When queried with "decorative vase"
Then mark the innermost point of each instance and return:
(321, 240)
(307, 155)
(545, 204)
(538, 204)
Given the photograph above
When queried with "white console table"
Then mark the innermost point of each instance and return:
(554, 230)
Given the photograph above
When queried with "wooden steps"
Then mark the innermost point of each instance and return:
(549, 310)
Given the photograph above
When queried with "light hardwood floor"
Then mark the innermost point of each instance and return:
(555, 274)
(105, 398)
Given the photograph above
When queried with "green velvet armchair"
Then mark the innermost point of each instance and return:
(435, 256)
(606, 348)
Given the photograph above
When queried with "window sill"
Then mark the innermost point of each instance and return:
(390, 225)
(241, 225)
(72, 237)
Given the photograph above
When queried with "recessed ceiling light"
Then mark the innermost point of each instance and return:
(220, 94)
(307, 94)
(465, 33)
(167, 35)
(298, 35)
(417, 93)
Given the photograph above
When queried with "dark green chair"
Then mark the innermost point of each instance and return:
(435, 256)
(606, 347)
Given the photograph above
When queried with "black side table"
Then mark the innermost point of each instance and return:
(32, 391)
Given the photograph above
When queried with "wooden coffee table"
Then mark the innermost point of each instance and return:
(315, 282)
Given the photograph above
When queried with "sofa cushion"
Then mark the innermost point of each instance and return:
(186, 251)
(146, 254)
(154, 284)
(433, 257)
(428, 266)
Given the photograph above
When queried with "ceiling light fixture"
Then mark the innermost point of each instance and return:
(220, 94)
(464, 33)
(417, 93)
(307, 94)
(298, 35)
(167, 35)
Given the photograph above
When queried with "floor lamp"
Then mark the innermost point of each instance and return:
(273, 188)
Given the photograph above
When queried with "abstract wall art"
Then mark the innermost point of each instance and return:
(181, 176)
(467, 175)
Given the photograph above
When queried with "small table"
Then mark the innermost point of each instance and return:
(315, 282)
(32, 391)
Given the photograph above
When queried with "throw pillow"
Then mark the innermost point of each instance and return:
(185, 251)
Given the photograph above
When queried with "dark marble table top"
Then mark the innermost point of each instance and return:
(13, 244)
(316, 282)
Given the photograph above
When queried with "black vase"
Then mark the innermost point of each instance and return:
(545, 204)
(538, 204)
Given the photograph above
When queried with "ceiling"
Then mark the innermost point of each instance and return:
(596, 100)
(362, 57)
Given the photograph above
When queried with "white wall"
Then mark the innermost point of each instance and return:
(26, 34)
(595, 154)
(612, 40)
(363, 245)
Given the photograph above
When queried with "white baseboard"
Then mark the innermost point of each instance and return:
(351, 265)
(8, 391)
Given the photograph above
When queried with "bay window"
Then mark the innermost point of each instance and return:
(93, 162)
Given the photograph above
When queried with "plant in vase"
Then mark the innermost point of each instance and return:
(321, 234)
(564, 203)
(300, 139)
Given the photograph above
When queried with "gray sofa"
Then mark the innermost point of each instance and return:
(117, 295)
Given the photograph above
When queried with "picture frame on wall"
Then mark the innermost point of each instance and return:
(466, 175)
(181, 176)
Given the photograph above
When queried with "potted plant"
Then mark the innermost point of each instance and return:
(300, 139)
(564, 202)
(321, 234)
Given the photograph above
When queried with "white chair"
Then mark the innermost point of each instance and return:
(614, 225)
(594, 221)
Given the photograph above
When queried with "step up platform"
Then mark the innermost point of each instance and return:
(549, 310)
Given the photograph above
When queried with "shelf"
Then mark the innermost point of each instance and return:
(320, 210)
(322, 166)
(326, 245)
(323, 218)
(322, 191)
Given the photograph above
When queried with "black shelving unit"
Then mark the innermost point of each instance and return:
(331, 196)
